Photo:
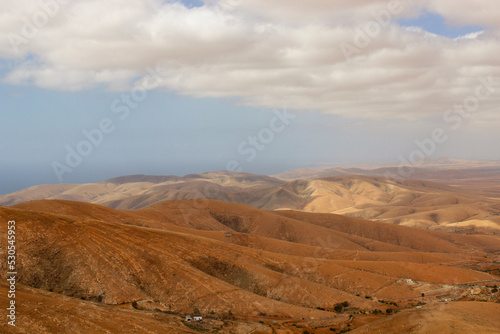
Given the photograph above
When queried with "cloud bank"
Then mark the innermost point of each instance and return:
(349, 58)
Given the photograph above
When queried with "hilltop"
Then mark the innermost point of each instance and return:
(420, 203)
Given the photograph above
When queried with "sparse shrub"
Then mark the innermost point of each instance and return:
(195, 327)
(388, 311)
(230, 315)
(274, 267)
(134, 305)
(230, 273)
(232, 221)
(339, 307)
(434, 217)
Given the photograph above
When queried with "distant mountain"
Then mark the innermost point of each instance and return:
(417, 203)
(120, 188)
(443, 170)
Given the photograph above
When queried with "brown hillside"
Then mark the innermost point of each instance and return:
(223, 258)
(443, 318)
(44, 312)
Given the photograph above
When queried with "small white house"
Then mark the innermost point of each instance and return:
(195, 317)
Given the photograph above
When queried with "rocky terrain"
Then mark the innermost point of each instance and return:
(244, 269)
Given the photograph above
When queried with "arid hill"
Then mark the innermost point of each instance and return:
(44, 312)
(137, 191)
(415, 203)
(442, 318)
(477, 177)
(234, 263)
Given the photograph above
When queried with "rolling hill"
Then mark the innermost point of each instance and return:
(415, 203)
(233, 263)
(443, 318)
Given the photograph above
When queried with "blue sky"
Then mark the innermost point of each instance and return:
(167, 134)
(436, 24)
(208, 107)
(192, 3)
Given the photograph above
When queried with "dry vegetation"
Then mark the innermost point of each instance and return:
(246, 270)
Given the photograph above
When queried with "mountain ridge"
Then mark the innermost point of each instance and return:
(424, 203)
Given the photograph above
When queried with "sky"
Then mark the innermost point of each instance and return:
(91, 90)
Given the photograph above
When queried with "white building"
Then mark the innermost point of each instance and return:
(195, 317)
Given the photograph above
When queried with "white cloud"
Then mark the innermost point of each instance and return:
(269, 53)
(473, 35)
(465, 12)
